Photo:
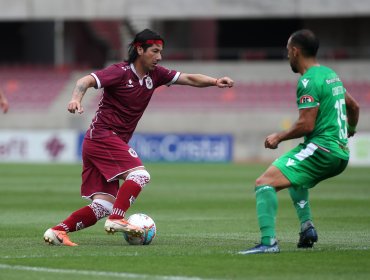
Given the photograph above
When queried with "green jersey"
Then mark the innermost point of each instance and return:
(321, 87)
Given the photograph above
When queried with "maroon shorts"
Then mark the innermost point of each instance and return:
(104, 160)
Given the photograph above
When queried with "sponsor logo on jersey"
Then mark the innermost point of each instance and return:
(132, 152)
(290, 162)
(149, 83)
(305, 82)
(306, 99)
(334, 80)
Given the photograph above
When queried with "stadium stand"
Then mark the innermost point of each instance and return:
(361, 91)
(109, 31)
(32, 88)
(242, 96)
(275, 95)
(35, 89)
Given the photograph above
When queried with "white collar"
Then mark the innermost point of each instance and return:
(132, 66)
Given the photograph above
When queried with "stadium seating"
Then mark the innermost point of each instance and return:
(361, 91)
(35, 89)
(245, 95)
(109, 32)
(32, 89)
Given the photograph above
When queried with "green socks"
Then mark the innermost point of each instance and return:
(266, 204)
(300, 200)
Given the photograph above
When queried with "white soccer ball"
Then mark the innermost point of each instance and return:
(147, 224)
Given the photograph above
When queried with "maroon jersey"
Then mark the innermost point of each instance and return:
(125, 98)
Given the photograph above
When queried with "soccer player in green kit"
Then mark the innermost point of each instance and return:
(328, 115)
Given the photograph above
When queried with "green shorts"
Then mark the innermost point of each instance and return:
(307, 164)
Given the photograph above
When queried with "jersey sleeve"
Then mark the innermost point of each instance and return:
(166, 76)
(110, 76)
(307, 94)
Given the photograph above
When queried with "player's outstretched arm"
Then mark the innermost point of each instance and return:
(78, 93)
(200, 80)
(353, 113)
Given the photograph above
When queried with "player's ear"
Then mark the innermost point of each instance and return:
(140, 50)
(295, 51)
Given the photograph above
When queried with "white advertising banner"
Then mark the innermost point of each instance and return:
(360, 149)
(38, 146)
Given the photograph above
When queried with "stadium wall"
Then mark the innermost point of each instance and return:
(150, 10)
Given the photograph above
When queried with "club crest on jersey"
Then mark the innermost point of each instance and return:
(130, 85)
(306, 99)
(149, 83)
(132, 152)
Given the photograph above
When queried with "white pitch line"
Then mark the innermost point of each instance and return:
(96, 273)
(75, 255)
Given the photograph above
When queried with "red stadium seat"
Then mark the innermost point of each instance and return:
(32, 88)
(272, 95)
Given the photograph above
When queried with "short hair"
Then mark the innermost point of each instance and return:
(307, 41)
(145, 39)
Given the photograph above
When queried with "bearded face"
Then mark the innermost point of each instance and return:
(293, 65)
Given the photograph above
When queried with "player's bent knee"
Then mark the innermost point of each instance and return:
(260, 181)
(101, 208)
(141, 177)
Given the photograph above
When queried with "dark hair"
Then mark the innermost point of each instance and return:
(144, 39)
(305, 40)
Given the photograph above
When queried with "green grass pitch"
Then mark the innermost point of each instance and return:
(204, 213)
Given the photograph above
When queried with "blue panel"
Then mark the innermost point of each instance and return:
(79, 146)
(183, 147)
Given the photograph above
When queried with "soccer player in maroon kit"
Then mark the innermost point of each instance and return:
(107, 157)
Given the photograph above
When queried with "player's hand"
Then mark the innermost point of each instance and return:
(74, 106)
(4, 106)
(351, 130)
(224, 82)
(272, 141)
(351, 133)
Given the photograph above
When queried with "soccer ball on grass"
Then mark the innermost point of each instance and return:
(147, 224)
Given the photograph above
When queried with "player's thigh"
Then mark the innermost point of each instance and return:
(333, 166)
(273, 177)
(306, 165)
(111, 156)
(94, 183)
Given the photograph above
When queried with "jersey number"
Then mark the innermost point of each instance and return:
(340, 105)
